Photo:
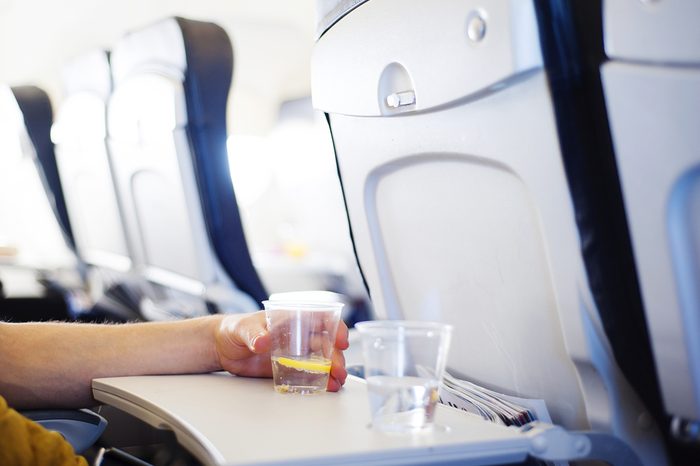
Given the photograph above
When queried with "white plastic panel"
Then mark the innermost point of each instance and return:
(434, 212)
(661, 31)
(156, 179)
(379, 36)
(81, 154)
(654, 114)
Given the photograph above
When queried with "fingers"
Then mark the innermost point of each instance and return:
(341, 336)
(338, 372)
(244, 344)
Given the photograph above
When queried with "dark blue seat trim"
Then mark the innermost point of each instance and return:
(571, 35)
(38, 118)
(207, 83)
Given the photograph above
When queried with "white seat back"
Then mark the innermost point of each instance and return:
(450, 162)
(30, 234)
(79, 135)
(153, 164)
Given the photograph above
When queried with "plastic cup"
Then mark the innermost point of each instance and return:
(404, 364)
(303, 340)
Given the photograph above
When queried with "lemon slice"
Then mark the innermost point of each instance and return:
(309, 365)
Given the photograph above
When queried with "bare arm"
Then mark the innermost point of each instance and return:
(46, 365)
(53, 364)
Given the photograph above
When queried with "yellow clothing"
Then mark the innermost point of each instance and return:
(25, 443)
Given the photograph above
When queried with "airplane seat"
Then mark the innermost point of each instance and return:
(167, 135)
(34, 217)
(35, 233)
(79, 135)
(573, 50)
(36, 109)
(449, 136)
(651, 83)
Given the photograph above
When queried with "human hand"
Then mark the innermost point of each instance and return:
(243, 346)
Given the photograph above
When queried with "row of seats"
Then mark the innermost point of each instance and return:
(527, 172)
(138, 150)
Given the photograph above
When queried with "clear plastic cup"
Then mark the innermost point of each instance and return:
(404, 364)
(303, 340)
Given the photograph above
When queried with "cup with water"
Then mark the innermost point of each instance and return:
(303, 339)
(404, 364)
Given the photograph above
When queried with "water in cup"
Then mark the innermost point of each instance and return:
(303, 341)
(401, 403)
(300, 375)
(404, 362)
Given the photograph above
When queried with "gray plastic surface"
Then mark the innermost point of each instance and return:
(227, 420)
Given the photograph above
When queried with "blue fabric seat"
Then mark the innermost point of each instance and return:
(207, 83)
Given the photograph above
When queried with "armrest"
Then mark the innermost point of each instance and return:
(80, 427)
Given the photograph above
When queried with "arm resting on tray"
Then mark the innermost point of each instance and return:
(51, 365)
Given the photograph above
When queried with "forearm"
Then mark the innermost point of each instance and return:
(53, 364)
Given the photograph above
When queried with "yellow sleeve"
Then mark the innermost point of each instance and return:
(26, 443)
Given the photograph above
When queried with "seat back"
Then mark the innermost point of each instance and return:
(652, 92)
(448, 149)
(167, 136)
(571, 36)
(79, 135)
(33, 218)
(37, 113)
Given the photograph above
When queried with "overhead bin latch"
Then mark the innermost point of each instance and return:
(553, 443)
(401, 99)
(396, 92)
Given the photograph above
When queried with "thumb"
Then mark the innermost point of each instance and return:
(251, 332)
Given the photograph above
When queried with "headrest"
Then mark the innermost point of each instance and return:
(89, 73)
(159, 47)
(199, 53)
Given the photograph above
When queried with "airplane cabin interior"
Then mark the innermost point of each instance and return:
(524, 172)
